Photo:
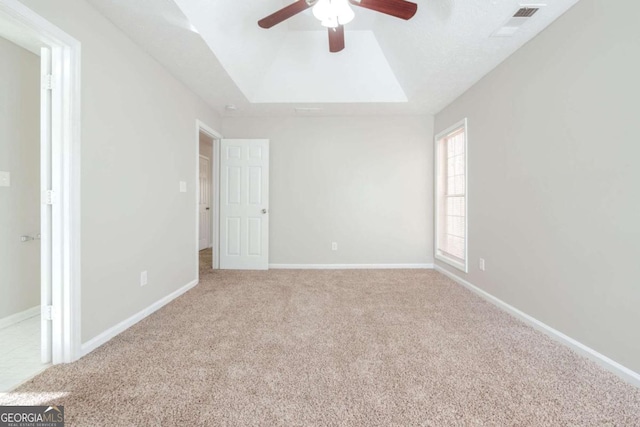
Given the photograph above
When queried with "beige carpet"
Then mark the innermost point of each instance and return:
(332, 348)
(206, 261)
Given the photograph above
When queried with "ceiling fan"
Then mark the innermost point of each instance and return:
(334, 14)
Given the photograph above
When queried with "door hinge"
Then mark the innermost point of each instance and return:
(47, 82)
(48, 197)
(48, 312)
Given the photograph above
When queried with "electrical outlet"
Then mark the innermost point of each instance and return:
(5, 179)
(183, 186)
(334, 246)
(481, 264)
(143, 278)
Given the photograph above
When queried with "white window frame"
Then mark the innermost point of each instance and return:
(438, 255)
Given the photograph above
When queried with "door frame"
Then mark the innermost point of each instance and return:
(31, 31)
(201, 127)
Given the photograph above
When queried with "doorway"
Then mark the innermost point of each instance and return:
(207, 236)
(204, 195)
(21, 355)
(57, 190)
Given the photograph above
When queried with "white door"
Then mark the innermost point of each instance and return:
(205, 203)
(244, 204)
(46, 216)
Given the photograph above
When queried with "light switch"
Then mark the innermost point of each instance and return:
(5, 179)
(183, 186)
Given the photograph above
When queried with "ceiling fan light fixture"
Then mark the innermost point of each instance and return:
(332, 13)
(331, 22)
(345, 13)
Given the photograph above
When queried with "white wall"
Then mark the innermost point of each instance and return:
(138, 130)
(363, 182)
(554, 199)
(19, 155)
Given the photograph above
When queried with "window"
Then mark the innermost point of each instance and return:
(451, 196)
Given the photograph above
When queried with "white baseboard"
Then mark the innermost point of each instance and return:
(348, 266)
(610, 365)
(97, 341)
(19, 317)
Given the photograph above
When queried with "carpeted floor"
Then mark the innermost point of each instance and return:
(332, 348)
(206, 261)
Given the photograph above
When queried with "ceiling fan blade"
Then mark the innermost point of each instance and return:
(399, 8)
(284, 14)
(336, 39)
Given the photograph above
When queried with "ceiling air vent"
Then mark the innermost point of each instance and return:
(526, 12)
(518, 19)
(307, 110)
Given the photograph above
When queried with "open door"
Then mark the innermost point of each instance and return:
(244, 204)
(45, 208)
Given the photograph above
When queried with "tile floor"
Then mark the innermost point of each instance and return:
(20, 353)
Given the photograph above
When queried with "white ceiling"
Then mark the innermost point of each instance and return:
(286, 65)
(389, 66)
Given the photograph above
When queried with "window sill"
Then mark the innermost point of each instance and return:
(452, 262)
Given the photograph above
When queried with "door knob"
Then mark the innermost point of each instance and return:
(207, 208)
(264, 211)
